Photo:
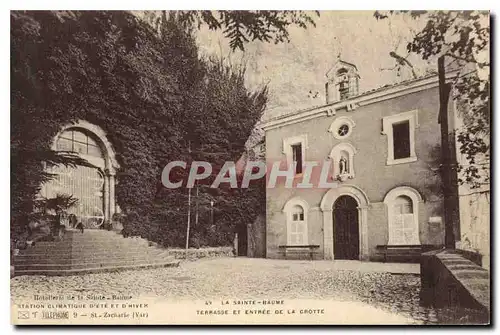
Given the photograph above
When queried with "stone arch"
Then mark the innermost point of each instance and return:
(346, 189)
(109, 166)
(98, 133)
(295, 201)
(288, 210)
(410, 192)
(326, 206)
(389, 201)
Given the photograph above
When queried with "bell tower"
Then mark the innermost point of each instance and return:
(342, 81)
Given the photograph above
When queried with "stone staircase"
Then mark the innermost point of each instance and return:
(90, 252)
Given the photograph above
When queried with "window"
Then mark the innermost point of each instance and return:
(342, 74)
(343, 90)
(342, 127)
(79, 142)
(294, 149)
(403, 228)
(297, 234)
(296, 211)
(400, 131)
(401, 141)
(402, 204)
(343, 130)
(297, 157)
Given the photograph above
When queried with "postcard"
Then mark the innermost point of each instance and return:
(250, 167)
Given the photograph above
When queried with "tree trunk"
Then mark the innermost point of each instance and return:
(449, 164)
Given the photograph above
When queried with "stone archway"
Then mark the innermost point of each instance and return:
(102, 176)
(327, 203)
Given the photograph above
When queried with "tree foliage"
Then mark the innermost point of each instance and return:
(463, 37)
(153, 96)
(240, 27)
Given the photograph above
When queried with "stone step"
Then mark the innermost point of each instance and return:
(63, 248)
(101, 256)
(90, 244)
(92, 251)
(70, 272)
(103, 263)
(154, 253)
(27, 260)
(92, 240)
(87, 252)
(100, 235)
(125, 258)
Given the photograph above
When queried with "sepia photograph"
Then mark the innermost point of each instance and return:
(250, 167)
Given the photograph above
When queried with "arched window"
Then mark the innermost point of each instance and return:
(296, 216)
(79, 142)
(403, 227)
(93, 184)
(402, 205)
(85, 183)
(298, 232)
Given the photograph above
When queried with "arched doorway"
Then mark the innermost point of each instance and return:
(327, 206)
(346, 228)
(94, 185)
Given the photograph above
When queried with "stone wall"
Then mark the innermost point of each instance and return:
(450, 280)
(256, 238)
(194, 254)
(475, 224)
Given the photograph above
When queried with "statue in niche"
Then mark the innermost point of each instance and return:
(343, 169)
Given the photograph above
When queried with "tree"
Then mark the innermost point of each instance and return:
(462, 37)
(241, 26)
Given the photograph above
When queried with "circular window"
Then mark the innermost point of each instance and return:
(343, 130)
(342, 127)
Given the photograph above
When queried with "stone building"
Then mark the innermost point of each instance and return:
(383, 150)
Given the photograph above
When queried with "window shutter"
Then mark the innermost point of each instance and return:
(411, 233)
(398, 229)
(408, 221)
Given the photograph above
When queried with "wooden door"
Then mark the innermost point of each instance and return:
(346, 228)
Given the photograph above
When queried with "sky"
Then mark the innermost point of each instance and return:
(293, 69)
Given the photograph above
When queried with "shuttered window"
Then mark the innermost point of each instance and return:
(297, 234)
(404, 229)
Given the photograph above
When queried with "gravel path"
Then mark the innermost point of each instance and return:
(244, 278)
